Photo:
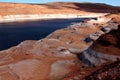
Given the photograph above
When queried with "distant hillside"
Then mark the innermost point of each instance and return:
(89, 7)
(57, 7)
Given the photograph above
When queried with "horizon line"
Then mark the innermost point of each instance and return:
(56, 2)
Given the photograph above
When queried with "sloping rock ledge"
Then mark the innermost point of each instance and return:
(55, 57)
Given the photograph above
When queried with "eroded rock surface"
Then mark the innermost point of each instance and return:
(54, 57)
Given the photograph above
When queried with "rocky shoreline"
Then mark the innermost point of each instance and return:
(59, 54)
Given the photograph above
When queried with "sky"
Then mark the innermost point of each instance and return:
(111, 2)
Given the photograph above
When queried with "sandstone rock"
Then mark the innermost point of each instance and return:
(76, 51)
(91, 57)
(27, 69)
(61, 68)
(93, 37)
(106, 29)
(56, 56)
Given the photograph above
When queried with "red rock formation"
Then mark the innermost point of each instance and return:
(51, 58)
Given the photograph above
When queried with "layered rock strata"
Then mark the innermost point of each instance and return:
(56, 56)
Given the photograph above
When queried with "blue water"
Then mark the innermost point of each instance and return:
(11, 34)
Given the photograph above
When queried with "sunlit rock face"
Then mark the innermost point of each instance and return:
(56, 56)
(36, 61)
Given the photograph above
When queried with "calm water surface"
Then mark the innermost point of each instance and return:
(11, 34)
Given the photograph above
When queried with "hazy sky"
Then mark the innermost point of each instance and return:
(111, 2)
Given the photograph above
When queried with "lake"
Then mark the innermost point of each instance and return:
(11, 34)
